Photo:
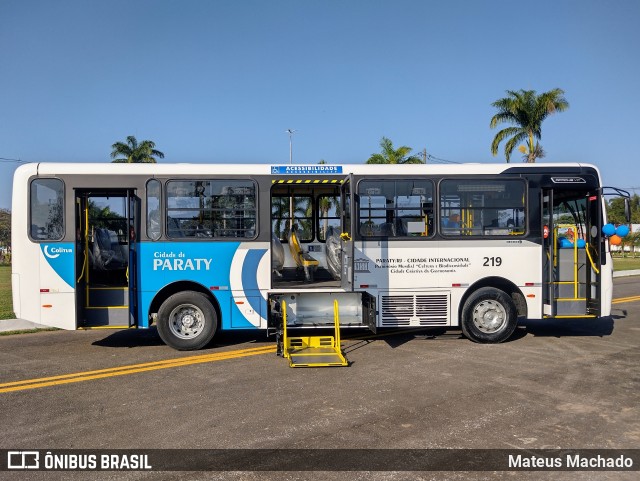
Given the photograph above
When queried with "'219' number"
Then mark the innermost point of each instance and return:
(492, 261)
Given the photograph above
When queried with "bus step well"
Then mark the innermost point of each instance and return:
(313, 351)
(572, 283)
(106, 307)
(112, 316)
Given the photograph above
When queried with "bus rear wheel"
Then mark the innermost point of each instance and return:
(187, 321)
(489, 315)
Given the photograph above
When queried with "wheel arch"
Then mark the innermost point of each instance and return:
(181, 286)
(504, 285)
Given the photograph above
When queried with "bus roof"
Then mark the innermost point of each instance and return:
(170, 169)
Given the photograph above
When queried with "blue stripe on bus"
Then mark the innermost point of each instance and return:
(163, 263)
(250, 281)
(207, 264)
(61, 259)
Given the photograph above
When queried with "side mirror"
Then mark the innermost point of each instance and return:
(627, 210)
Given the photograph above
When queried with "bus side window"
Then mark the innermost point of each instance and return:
(153, 209)
(482, 206)
(46, 209)
(396, 208)
(173, 228)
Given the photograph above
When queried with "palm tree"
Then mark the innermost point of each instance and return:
(389, 155)
(530, 155)
(135, 153)
(282, 219)
(526, 111)
(325, 204)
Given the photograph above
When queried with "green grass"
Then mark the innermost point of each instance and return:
(626, 263)
(27, 331)
(6, 306)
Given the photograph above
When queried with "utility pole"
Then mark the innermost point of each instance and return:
(424, 155)
(290, 132)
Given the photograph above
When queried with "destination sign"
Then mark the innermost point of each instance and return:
(318, 169)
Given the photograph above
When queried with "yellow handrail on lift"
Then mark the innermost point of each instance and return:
(285, 351)
(313, 351)
(336, 324)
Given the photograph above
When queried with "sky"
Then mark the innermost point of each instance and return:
(220, 81)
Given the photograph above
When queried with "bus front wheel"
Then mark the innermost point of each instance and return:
(489, 315)
(187, 321)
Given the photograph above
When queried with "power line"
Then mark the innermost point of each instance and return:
(438, 160)
(6, 160)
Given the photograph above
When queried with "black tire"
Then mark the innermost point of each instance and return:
(489, 315)
(187, 321)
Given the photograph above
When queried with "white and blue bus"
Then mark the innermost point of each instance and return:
(196, 249)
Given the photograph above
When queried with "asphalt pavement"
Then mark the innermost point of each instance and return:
(557, 383)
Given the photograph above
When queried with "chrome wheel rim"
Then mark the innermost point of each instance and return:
(489, 316)
(186, 321)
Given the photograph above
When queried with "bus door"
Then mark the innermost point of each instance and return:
(347, 233)
(572, 252)
(107, 229)
(133, 216)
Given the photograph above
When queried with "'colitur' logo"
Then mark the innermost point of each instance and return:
(53, 252)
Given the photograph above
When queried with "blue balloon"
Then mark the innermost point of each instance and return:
(622, 231)
(608, 229)
(564, 243)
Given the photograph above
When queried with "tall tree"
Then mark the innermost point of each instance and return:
(133, 152)
(5, 228)
(525, 111)
(390, 155)
(325, 204)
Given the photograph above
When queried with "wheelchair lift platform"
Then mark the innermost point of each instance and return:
(313, 351)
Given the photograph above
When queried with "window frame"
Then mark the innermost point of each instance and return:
(146, 199)
(30, 207)
(358, 208)
(213, 238)
(479, 179)
(318, 229)
(312, 219)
